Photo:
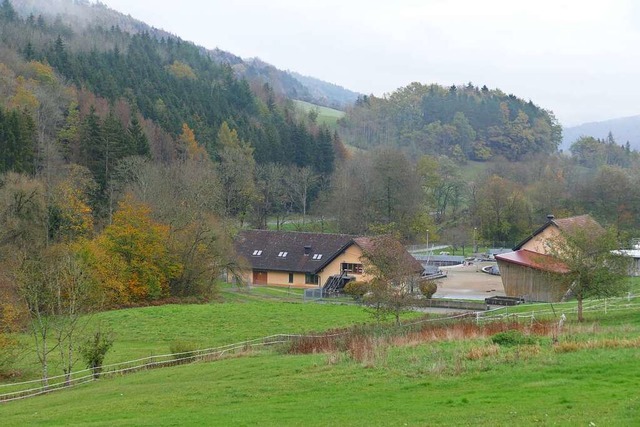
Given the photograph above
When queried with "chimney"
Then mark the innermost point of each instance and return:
(550, 217)
(307, 250)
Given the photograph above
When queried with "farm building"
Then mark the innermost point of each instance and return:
(529, 271)
(634, 256)
(306, 259)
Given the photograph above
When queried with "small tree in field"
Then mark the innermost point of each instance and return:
(595, 268)
(394, 274)
(94, 350)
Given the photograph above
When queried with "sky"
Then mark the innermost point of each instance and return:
(577, 58)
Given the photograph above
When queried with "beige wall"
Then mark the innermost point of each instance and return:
(282, 278)
(540, 243)
(351, 255)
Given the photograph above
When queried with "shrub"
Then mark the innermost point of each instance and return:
(183, 350)
(512, 337)
(94, 350)
(428, 288)
(356, 289)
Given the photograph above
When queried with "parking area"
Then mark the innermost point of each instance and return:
(469, 283)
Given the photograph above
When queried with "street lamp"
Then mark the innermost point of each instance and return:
(427, 241)
(475, 243)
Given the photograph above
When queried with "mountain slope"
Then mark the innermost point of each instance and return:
(81, 13)
(623, 129)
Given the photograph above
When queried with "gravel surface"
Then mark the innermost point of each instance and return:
(468, 282)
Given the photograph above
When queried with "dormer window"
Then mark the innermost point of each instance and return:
(317, 256)
(283, 254)
(257, 252)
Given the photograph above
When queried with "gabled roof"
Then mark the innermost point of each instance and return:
(368, 244)
(534, 260)
(285, 251)
(322, 248)
(563, 224)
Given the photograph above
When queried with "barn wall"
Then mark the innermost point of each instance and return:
(531, 284)
(540, 242)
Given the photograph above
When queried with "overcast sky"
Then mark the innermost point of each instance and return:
(578, 58)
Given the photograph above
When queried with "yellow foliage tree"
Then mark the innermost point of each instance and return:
(181, 70)
(42, 72)
(24, 97)
(188, 147)
(131, 257)
(75, 216)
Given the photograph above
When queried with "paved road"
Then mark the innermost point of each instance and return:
(468, 282)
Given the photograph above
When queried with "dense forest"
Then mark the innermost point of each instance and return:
(461, 122)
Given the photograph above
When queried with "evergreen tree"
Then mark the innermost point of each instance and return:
(138, 140)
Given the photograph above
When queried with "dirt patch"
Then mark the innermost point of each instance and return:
(469, 282)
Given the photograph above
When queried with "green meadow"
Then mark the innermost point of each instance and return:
(327, 116)
(454, 375)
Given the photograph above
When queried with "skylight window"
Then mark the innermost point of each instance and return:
(257, 252)
(283, 254)
(317, 256)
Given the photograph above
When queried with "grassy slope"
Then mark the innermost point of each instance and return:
(143, 332)
(434, 383)
(407, 386)
(327, 116)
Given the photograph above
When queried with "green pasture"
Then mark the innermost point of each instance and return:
(431, 383)
(588, 376)
(326, 116)
(148, 331)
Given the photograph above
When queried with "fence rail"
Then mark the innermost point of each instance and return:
(22, 390)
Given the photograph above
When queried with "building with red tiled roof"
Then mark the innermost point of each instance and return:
(306, 259)
(529, 271)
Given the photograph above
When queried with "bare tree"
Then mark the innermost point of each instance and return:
(394, 275)
(57, 294)
(301, 181)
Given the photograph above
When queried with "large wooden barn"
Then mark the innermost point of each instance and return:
(529, 271)
(306, 259)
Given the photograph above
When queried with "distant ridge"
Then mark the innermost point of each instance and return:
(83, 13)
(623, 129)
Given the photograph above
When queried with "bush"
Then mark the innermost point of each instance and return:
(428, 288)
(94, 350)
(183, 349)
(512, 338)
(356, 289)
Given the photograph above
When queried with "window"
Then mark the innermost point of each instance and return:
(290, 277)
(283, 254)
(257, 252)
(317, 256)
(351, 268)
(311, 279)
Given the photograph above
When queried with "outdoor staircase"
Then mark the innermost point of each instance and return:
(335, 284)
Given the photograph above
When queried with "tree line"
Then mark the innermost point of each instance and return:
(462, 122)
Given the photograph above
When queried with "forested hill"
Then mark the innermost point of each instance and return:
(462, 122)
(82, 13)
(168, 81)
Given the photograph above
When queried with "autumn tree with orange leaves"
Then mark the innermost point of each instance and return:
(131, 258)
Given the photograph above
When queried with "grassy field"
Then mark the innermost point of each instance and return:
(589, 377)
(327, 116)
(148, 331)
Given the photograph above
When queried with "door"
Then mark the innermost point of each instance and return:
(259, 277)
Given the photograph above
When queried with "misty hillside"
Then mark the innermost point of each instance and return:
(329, 94)
(80, 14)
(623, 129)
